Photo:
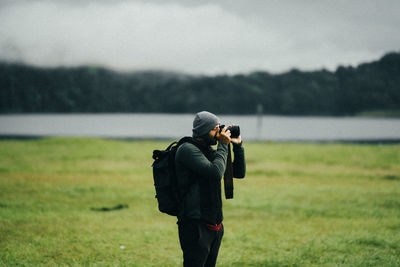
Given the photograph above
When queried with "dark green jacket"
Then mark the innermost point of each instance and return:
(199, 172)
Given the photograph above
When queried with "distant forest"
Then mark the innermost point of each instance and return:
(347, 91)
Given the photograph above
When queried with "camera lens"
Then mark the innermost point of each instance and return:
(235, 131)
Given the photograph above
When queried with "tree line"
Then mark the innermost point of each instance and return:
(346, 91)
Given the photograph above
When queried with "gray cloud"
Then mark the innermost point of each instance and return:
(209, 38)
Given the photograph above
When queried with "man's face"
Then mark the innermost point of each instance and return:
(212, 135)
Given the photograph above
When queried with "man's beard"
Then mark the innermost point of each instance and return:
(210, 140)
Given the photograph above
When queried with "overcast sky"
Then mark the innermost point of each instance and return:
(199, 37)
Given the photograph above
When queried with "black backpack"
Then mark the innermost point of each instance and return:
(165, 180)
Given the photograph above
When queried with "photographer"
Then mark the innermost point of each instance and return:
(199, 170)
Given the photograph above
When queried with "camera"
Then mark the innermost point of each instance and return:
(235, 130)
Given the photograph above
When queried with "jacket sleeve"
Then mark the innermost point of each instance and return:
(192, 158)
(239, 163)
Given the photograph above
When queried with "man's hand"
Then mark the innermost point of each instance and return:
(224, 136)
(237, 140)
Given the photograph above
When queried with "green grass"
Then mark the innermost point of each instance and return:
(300, 205)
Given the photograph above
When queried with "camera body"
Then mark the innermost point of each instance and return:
(235, 130)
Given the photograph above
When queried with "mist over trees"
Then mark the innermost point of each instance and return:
(347, 91)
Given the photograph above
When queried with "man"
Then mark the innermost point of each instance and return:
(199, 170)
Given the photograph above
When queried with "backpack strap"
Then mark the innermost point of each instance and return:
(169, 147)
(186, 139)
(189, 139)
(158, 153)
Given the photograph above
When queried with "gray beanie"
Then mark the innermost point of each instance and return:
(203, 123)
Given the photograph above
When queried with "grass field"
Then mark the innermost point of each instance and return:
(300, 205)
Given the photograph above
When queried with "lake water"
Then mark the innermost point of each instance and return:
(172, 126)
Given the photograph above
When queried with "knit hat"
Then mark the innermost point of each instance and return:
(203, 123)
